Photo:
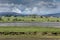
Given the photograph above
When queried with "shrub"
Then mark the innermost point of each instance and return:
(57, 20)
(0, 18)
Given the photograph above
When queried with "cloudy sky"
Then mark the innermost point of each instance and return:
(39, 7)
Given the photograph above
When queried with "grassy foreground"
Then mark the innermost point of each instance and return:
(29, 32)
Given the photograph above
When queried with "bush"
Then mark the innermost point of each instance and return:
(32, 20)
(0, 18)
(57, 20)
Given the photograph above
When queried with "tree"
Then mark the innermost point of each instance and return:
(8, 15)
(33, 15)
(57, 20)
(41, 16)
(0, 18)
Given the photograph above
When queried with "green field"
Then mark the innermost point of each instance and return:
(35, 32)
(29, 29)
(29, 19)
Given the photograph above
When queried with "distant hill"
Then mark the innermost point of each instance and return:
(54, 15)
(19, 14)
(10, 14)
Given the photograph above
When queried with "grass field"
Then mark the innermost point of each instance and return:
(29, 29)
(29, 32)
(29, 19)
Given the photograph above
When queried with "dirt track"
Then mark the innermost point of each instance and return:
(28, 39)
(44, 24)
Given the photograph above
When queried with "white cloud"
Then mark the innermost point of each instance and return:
(16, 10)
(35, 10)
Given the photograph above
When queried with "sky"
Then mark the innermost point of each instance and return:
(38, 7)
